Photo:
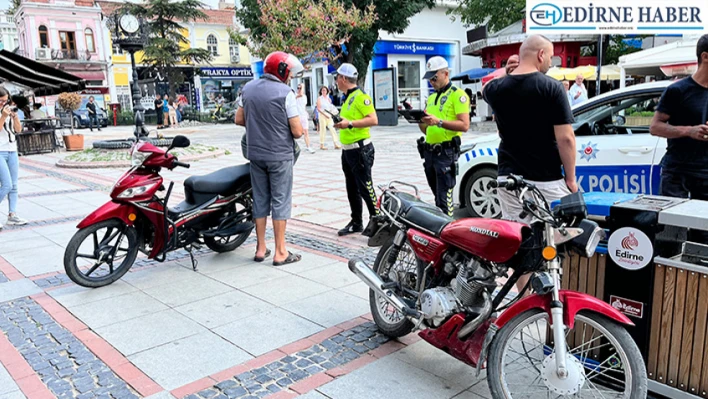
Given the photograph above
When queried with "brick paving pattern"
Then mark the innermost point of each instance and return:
(276, 376)
(63, 363)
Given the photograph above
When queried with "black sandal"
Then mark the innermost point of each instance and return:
(292, 258)
(261, 259)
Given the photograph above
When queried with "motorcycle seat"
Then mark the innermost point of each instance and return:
(224, 182)
(422, 215)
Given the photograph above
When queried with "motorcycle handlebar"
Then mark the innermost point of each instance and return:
(512, 182)
(182, 164)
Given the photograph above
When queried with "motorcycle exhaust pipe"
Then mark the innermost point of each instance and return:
(374, 282)
(469, 328)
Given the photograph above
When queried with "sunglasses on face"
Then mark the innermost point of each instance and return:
(434, 79)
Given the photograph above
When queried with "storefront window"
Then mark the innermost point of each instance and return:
(234, 51)
(409, 80)
(556, 61)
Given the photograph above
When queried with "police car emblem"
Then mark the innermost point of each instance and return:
(588, 151)
(367, 102)
(463, 99)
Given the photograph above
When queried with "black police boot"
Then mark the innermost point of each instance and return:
(351, 228)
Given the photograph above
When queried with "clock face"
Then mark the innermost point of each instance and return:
(129, 23)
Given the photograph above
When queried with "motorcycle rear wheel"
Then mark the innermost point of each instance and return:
(601, 350)
(103, 254)
(391, 322)
(230, 243)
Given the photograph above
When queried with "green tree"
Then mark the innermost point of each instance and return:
(307, 32)
(613, 47)
(14, 5)
(391, 16)
(167, 45)
(496, 14)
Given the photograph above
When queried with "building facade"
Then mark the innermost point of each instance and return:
(228, 69)
(8, 32)
(68, 35)
(430, 33)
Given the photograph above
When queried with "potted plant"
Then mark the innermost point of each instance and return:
(71, 102)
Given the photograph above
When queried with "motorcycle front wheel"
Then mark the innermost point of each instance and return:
(100, 254)
(602, 360)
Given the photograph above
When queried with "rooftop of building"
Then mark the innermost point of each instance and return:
(214, 17)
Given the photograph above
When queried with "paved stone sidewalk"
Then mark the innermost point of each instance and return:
(232, 329)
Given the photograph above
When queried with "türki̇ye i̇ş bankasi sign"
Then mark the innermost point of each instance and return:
(617, 17)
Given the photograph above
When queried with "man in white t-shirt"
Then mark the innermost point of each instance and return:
(578, 92)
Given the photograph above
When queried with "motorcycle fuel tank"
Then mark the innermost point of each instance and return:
(491, 239)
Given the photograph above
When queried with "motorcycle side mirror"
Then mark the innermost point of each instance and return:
(179, 142)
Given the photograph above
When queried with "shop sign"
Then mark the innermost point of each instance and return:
(94, 90)
(418, 48)
(227, 73)
(607, 17)
(627, 306)
(630, 248)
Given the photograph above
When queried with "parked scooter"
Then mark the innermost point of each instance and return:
(216, 212)
(440, 276)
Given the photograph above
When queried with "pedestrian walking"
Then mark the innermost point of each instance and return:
(447, 117)
(92, 114)
(578, 91)
(566, 87)
(158, 110)
(304, 118)
(172, 107)
(9, 161)
(324, 102)
(166, 110)
(269, 111)
(358, 115)
(534, 121)
(682, 117)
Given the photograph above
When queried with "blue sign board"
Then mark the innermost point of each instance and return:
(227, 73)
(419, 48)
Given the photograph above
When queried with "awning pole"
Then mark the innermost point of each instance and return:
(599, 66)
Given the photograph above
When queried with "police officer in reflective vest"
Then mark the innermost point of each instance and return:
(447, 116)
(357, 116)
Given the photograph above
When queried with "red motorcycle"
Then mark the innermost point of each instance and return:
(440, 275)
(216, 212)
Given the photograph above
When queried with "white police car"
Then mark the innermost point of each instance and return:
(615, 151)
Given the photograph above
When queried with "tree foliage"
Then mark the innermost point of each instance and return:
(358, 45)
(305, 28)
(496, 14)
(613, 47)
(14, 5)
(167, 45)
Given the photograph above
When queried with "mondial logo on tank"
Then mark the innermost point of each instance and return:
(485, 232)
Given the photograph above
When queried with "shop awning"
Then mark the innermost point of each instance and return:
(473, 74)
(650, 61)
(90, 75)
(42, 79)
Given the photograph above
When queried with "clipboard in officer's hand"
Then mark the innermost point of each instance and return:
(413, 115)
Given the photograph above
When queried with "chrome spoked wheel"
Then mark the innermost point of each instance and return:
(602, 360)
(404, 271)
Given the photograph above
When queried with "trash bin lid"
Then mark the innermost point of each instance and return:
(599, 203)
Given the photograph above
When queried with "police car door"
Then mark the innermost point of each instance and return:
(615, 152)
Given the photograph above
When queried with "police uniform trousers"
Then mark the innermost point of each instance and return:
(441, 175)
(356, 165)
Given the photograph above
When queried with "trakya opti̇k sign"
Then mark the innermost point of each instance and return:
(607, 17)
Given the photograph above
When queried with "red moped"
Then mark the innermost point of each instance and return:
(216, 212)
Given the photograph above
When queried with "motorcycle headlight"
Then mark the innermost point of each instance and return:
(587, 242)
(135, 191)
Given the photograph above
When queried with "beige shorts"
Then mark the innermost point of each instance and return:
(511, 207)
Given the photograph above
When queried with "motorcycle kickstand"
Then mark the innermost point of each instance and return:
(190, 250)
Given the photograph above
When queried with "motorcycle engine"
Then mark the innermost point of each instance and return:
(470, 282)
(438, 304)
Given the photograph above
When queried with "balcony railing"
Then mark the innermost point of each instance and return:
(70, 55)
